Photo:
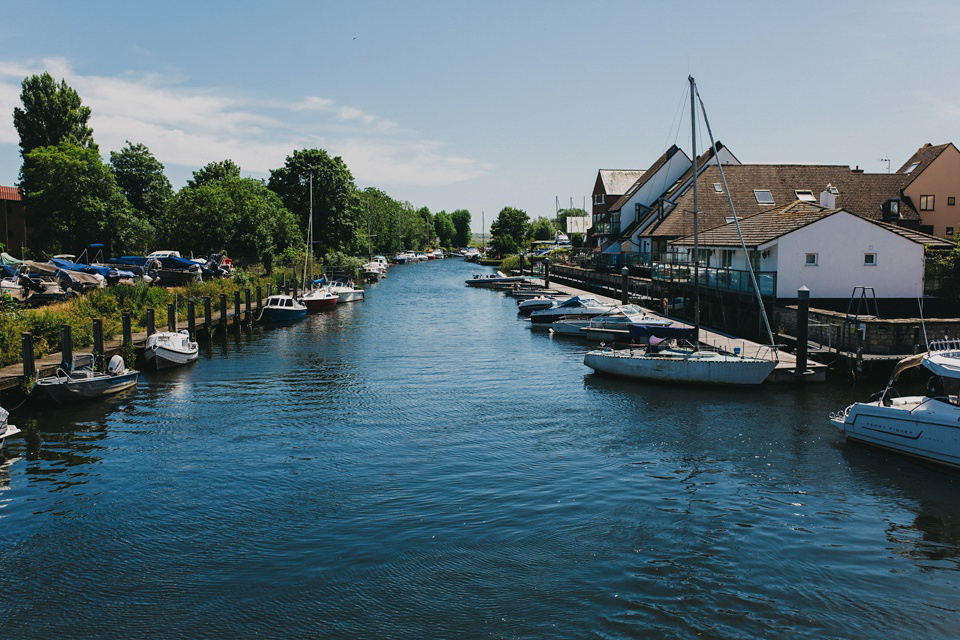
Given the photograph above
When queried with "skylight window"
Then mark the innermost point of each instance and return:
(805, 195)
(832, 189)
(912, 166)
(763, 196)
(718, 187)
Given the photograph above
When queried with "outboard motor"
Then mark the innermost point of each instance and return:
(116, 366)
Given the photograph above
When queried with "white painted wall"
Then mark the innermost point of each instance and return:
(840, 242)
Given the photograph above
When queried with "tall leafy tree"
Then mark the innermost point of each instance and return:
(338, 215)
(542, 229)
(214, 171)
(74, 200)
(52, 113)
(461, 224)
(508, 230)
(140, 176)
(443, 226)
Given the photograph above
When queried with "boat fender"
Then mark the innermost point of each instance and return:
(116, 365)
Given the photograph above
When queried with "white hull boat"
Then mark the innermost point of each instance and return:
(345, 291)
(170, 349)
(609, 326)
(581, 307)
(926, 427)
(686, 366)
(80, 381)
(6, 430)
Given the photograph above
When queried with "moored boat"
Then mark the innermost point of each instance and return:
(81, 381)
(6, 430)
(166, 349)
(345, 290)
(319, 299)
(926, 426)
(575, 307)
(282, 308)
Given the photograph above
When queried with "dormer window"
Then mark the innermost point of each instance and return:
(718, 187)
(763, 196)
(805, 195)
(832, 189)
(891, 209)
(913, 165)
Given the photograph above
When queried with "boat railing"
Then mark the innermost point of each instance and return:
(947, 344)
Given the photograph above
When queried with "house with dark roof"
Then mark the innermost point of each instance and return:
(608, 187)
(13, 231)
(829, 250)
(931, 184)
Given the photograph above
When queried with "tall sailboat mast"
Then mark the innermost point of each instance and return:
(696, 238)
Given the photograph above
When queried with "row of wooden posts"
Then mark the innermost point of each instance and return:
(242, 314)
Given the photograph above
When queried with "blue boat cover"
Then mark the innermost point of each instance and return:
(676, 333)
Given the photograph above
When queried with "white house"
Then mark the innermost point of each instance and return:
(830, 251)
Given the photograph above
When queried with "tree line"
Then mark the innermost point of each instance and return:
(73, 198)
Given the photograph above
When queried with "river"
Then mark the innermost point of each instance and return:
(423, 465)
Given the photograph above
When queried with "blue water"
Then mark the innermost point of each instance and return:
(423, 465)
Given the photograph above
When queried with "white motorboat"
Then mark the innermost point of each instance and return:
(81, 381)
(319, 299)
(610, 325)
(581, 307)
(492, 280)
(925, 427)
(6, 430)
(691, 365)
(539, 303)
(345, 290)
(170, 349)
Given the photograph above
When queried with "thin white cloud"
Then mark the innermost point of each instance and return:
(189, 127)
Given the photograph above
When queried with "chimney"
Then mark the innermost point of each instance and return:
(857, 170)
(828, 200)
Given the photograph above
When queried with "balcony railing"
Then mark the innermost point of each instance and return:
(722, 278)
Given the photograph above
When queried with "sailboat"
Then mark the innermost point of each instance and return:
(316, 298)
(691, 365)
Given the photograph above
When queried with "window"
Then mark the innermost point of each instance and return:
(598, 198)
(805, 195)
(926, 203)
(951, 201)
(811, 260)
(949, 231)
(832, 189)
(869, 259)
(763, 196)
(726, 258)
(911, 167)
(718, 187)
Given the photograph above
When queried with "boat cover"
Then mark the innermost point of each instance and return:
(677, 333)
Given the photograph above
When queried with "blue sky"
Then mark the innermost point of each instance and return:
(482, 105)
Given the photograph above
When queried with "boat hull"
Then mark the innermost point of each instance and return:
(7, 431)
(919, 427)
(350, 296)
(163, 358)
(66, 392)
(320, 304)
(679, 367)
(277, 316)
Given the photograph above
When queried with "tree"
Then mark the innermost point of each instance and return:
(338, 215)
(508, 230)
(427, 226)
(542, 229)
(561, 220)
(443, 226)
(214, 171)
(461, 225)
(51, 114)
(141, 179)
(74, 200)
(238, 215)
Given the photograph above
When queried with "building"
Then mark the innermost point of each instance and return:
(13, 230)
(826, 249)
(607, 188)
(931, 184)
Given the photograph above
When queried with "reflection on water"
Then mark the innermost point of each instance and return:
(421, 464)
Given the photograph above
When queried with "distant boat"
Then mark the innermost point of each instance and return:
(80, 381)
(604, 326)
(6, 430)
(582, 307)
(170, 349)
(282, 308)
(345, 290)
(493, 280)
(319, 299)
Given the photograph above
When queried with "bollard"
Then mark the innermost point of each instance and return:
(223, 309)
(294, 288)
(192, 318)
(269, 289)
(624, 285)
(207, 315)
(151, 324)
(98, 352)
(259, 297)
(521, 263)
(246, 293)
(803, 312)
(66, 346)
(546, 273)
(29, 362)
(171, 317)
(236, 309)
(127, 331)
(286, 289)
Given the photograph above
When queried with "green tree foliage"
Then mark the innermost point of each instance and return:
(214, 171)
(52, 113)
(427, 226)
(561, 220)
(461, 225)
(74, 200)
(542, 229)
(508, 231)
(140, 176)
(443, 226)
(338, 215)
(238, 215)
(385, 216)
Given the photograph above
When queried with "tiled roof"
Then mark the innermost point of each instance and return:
(922, 158)
(862, 194)
(617, 181)
(9, 193)
(643, 179)
(774, 223)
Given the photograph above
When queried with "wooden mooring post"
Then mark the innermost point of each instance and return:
(98, 350)
(236, 309)
(26, 348)
(192, 318)
(624, 285)
(223, 310)
(249, 314)
(127, 328)
(66, 345)
(171, 317)
(259, 297)
(151, 322)
(207, 315)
